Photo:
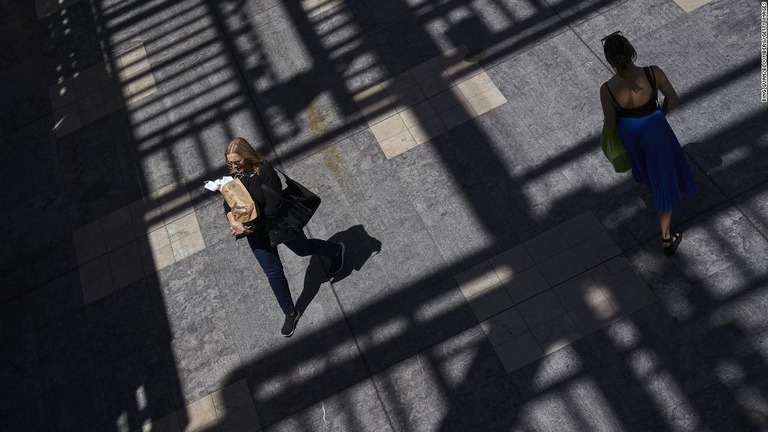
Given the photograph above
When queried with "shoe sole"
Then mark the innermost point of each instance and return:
(343, 251)
(295, 321)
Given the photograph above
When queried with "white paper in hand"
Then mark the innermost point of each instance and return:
(215, 185)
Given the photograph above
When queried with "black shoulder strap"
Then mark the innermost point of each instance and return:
(651, 76)
(275, 193)
(611, 93)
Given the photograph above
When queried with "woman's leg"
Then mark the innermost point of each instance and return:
(270, 263)
(302, 246)
(665, 221)
(670, 240)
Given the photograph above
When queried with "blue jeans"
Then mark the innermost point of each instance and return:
(270, 263)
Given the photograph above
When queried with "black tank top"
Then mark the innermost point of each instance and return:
(645, 109)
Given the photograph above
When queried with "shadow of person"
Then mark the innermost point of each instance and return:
(360, 246)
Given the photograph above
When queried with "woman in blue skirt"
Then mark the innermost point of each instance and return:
(629, 101)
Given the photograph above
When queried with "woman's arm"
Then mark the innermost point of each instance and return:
(609, 111)
(665, 87)
(235, 227)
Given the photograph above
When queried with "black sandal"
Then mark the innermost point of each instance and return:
(673, 243)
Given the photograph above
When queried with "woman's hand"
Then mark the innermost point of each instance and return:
(236, 228)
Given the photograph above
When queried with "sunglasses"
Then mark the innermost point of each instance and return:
(235, 164)
(617, 32)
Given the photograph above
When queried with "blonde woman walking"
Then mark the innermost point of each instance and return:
(254, 171)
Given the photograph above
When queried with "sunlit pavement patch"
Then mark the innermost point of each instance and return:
(136, 241)
(101, 89)
(426, 101)
(552, 290)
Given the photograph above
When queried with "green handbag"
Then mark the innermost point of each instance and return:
(613, 149)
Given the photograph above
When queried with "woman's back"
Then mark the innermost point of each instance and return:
(633, 91)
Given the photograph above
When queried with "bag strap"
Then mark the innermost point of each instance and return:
(272, 191)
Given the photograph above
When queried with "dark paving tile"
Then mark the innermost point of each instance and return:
(69, 343)
(442, 311)
(489, 404)
(386, 12)
(730, 156)
(23, 37)
(719, 259)
(475, 157)
(595, 19)
(712, 409)
(63, 388)
(194, 305)
(75, 405)
(139, 386)
(464, 368)
(49, 256)
(591, 367)
(672, 352)
(526, 78)
(549, 412)
(511, 144)
(357, 407)
(422, 257)
(650, 423)
(70, 46)
(719, 335)
(381, 63)
(212, 221)
(50, 302)
(411, 38)
(754, 205)
(128, 322)
(628, 217)
(25, 103)
(298, 109)
(330, 363)
(18, 419)
(459, 233)
(518, 27)
(575, 13)
(248, 9)
(624, 392)
(546, 373)
(726, 24)
(18, 377)
(375, 193)
(91, 173)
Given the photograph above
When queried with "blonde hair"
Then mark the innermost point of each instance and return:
(619, 53)
(241, 147)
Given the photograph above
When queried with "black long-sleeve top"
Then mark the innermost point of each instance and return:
(269, 204)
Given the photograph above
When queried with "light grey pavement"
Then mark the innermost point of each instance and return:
(499, 277)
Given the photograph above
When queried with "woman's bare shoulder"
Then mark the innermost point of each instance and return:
(657, 70)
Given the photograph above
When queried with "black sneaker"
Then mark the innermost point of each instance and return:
(290, 323)
(337, 261)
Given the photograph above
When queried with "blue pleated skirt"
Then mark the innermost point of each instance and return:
(656, 158)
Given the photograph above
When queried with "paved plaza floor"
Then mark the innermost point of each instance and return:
(499, 275)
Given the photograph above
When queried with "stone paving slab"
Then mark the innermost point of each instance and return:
(499, 275)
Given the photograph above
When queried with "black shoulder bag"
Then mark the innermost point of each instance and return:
(299, 205)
